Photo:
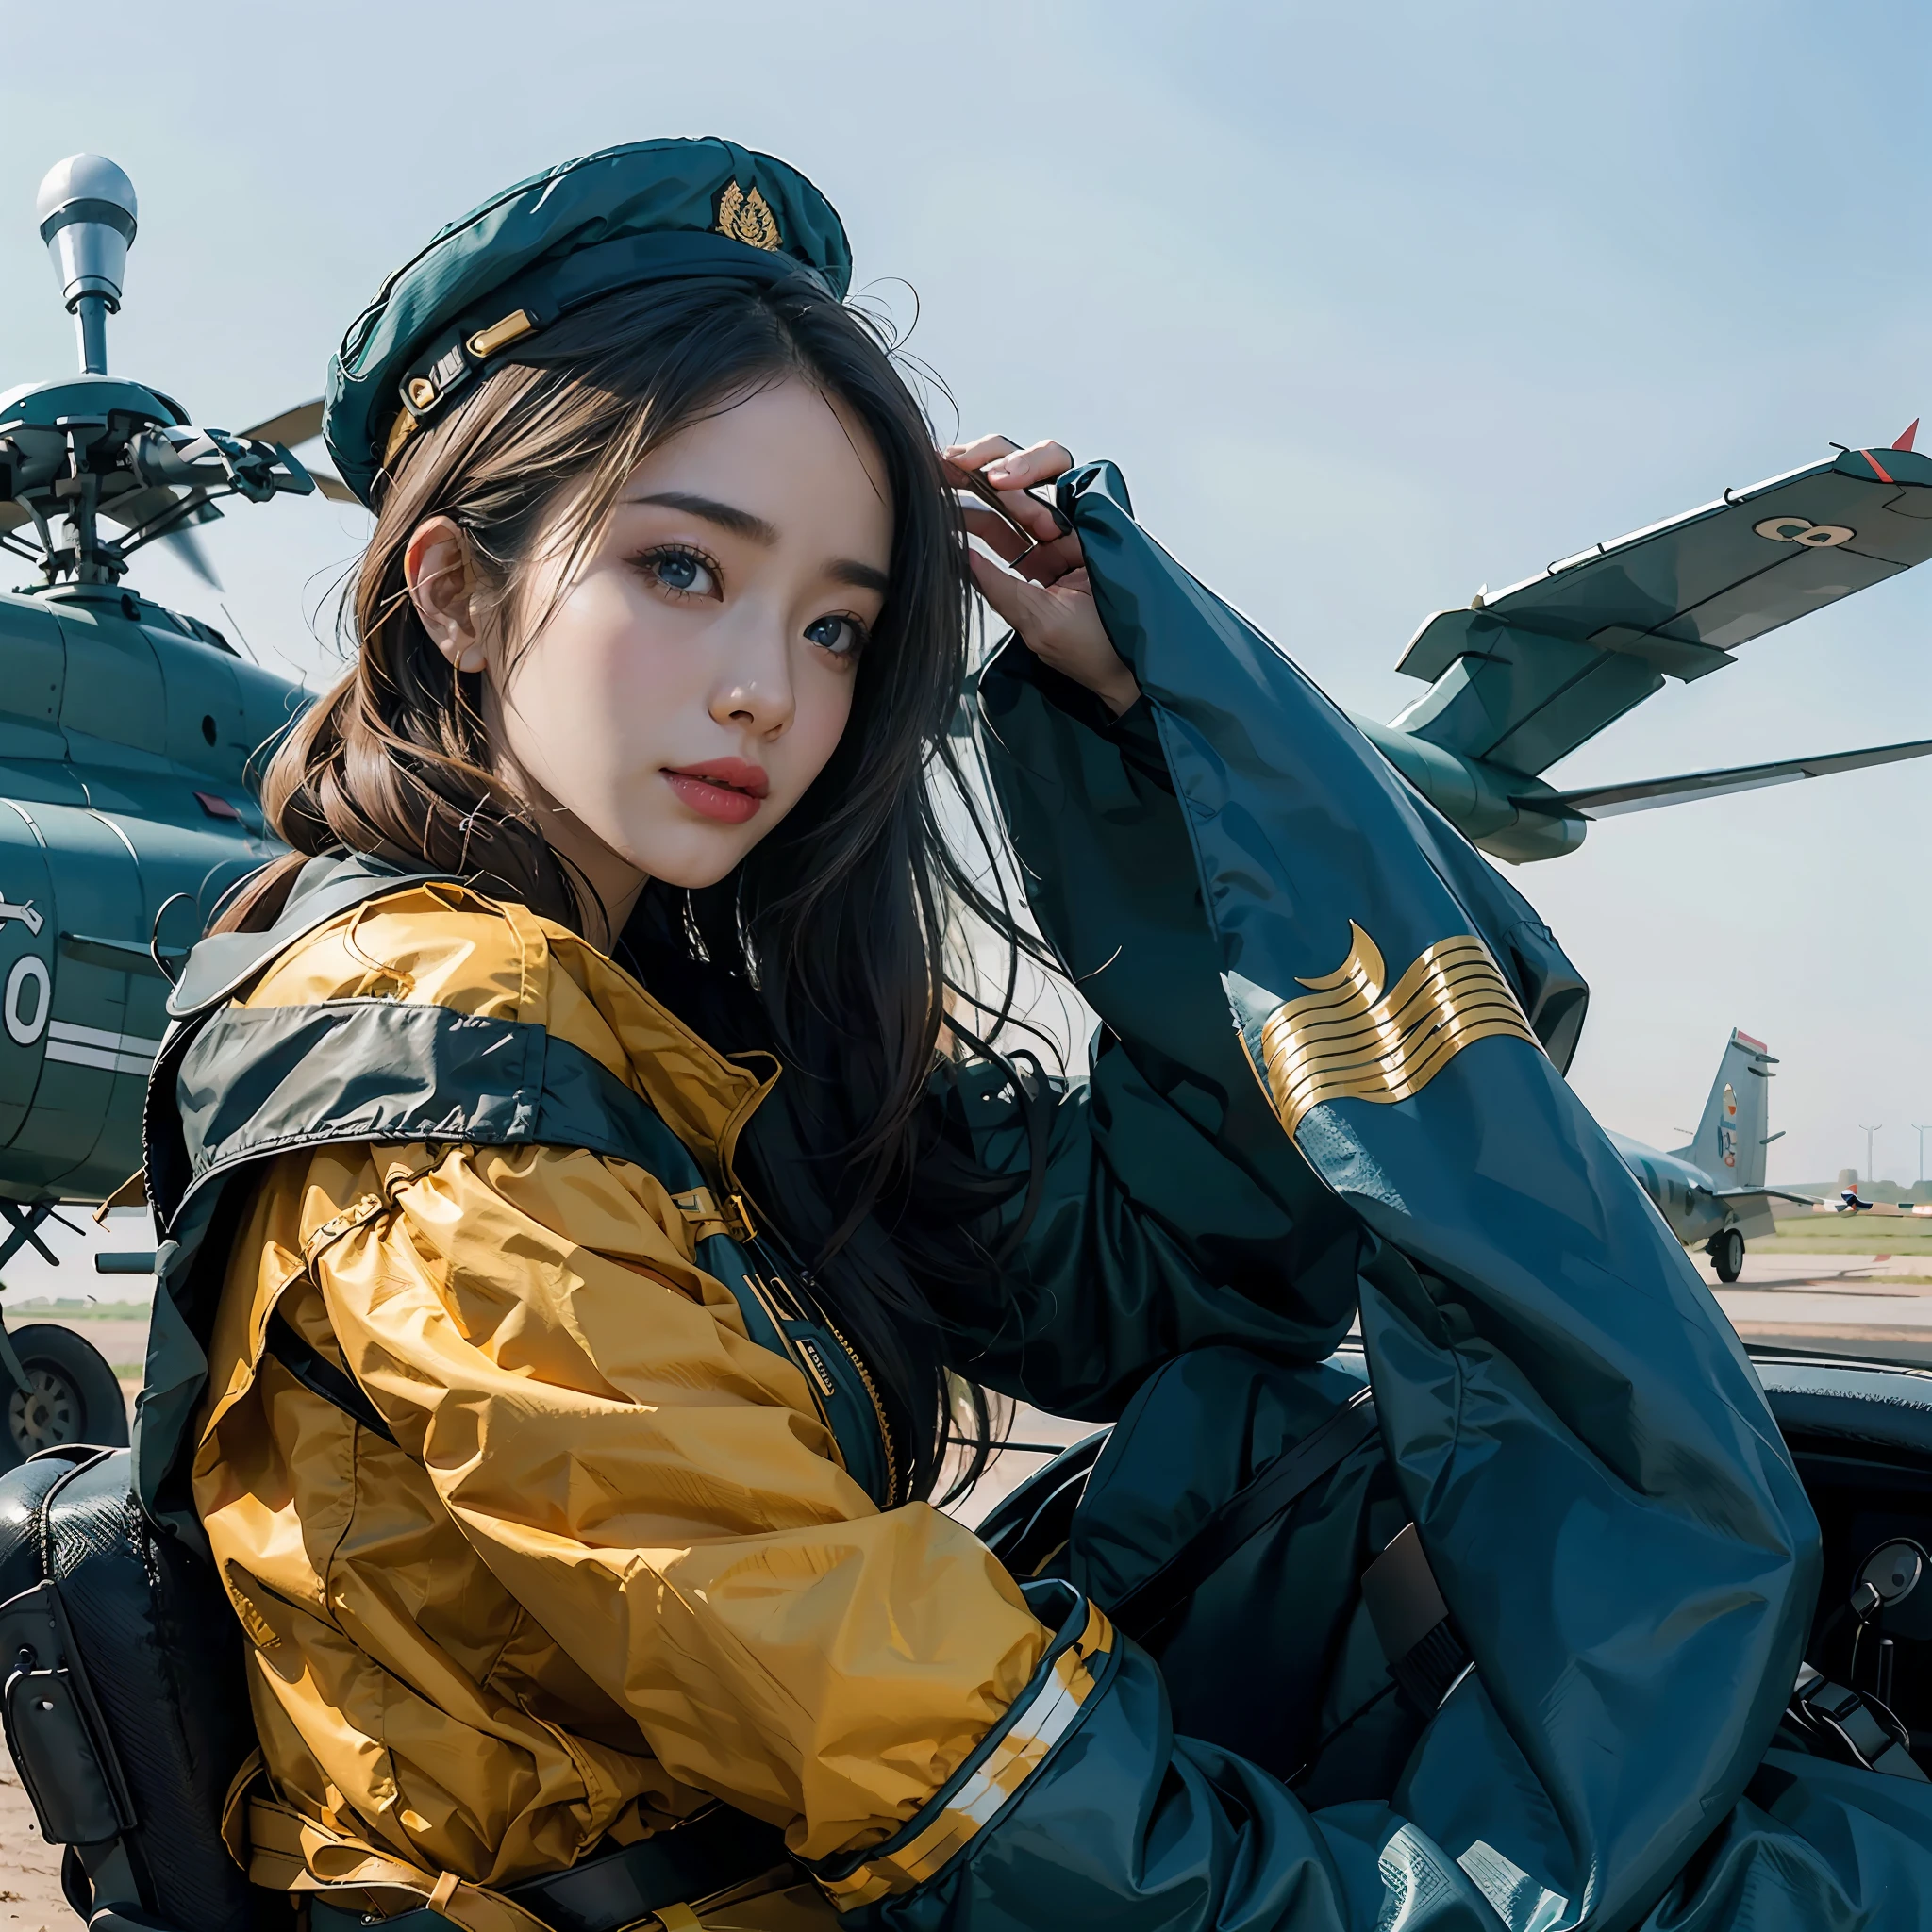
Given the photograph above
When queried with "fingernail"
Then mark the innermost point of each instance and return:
(994, 471)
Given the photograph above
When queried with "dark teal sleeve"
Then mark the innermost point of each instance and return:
(1130, 1233)
(1082, 1811)
(1575, 1428)
(1154, 1205)
(1166, 1210)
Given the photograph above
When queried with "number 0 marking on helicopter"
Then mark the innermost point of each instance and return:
(29, 970)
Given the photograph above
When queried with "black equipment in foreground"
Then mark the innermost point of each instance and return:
(127, 1713)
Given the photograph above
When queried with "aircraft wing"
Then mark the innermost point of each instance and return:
(1752, 1213)
(1644, 794)
(1526, 675)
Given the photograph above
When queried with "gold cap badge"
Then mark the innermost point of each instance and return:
(745, 215)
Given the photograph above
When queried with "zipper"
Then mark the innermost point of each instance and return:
(814, 1374)
(741, 1207)
(808, 1282)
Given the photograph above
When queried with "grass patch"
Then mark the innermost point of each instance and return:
(1869, 1234)
(73, 1310)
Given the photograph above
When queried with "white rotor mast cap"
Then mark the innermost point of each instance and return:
(86, 212)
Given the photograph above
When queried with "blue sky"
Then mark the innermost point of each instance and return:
(1372, 304)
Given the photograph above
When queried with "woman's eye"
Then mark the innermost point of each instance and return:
(842, 636)
(683, 570)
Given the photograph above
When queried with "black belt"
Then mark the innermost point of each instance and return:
(1264, 1499)
(711, 1853)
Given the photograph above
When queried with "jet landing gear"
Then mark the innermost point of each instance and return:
(1726, 1250)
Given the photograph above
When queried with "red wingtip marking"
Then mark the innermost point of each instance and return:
(1878, 469)
(1905, 440)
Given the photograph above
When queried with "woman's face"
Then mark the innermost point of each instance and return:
(697, 673)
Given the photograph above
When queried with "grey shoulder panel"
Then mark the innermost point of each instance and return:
(258, 1080)
(323, 888)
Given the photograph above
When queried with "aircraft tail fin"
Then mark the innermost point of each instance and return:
(1733, 1131)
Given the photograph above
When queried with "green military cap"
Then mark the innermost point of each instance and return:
(647, 211)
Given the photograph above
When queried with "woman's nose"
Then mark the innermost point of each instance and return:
(754, 690)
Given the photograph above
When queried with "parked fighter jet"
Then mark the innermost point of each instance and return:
(127, 730)
(1520, 679)
(1713, 1191)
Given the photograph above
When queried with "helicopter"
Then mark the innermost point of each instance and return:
(126, 810)
(129, 733)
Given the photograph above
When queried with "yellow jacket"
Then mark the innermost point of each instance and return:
(612, 1563)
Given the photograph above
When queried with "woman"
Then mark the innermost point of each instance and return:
(576, 1228)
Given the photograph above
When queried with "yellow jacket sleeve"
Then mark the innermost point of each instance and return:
(656, 1490)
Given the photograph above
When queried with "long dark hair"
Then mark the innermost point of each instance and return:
(828, 944)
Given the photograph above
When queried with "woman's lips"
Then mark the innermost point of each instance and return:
(727, 790)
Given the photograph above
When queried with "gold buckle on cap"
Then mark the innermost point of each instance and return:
(499, 335)
(422, 393)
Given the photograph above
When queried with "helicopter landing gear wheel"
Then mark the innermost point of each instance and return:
(1726, 1252)
(71, 1397)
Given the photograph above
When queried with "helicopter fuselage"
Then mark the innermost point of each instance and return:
(125, 735)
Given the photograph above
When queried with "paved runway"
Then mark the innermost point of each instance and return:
(1847, 1303)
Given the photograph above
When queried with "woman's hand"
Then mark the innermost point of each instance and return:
(1045, 596)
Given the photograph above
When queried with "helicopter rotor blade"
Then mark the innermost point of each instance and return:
(303, 424)
(186, 548)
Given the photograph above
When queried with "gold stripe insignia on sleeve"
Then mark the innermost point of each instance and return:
(1019, 1753)
(1346, 1040)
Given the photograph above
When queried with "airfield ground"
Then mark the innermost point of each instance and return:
(1825, 1284)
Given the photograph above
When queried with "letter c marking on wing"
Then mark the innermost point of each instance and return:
(1812, 536)
(29, 970)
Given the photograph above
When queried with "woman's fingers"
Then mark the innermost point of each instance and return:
(997, 463)
(1040, 523)
(1028, 608)
(1025, 468)
(1047, 563)
(995, 531)
(1059, 624)
(977, 454)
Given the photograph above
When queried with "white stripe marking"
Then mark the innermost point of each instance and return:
(96, 1057)
(95, 1036)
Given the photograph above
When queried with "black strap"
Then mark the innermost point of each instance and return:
(716, 1850)
(321, 1376)
(1412, 1624)
(1853, 1728)
(1245, 1514)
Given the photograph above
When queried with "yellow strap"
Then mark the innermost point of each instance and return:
(677, 1919)
(699, 1208)
(290, 1852)
(234, 1816)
